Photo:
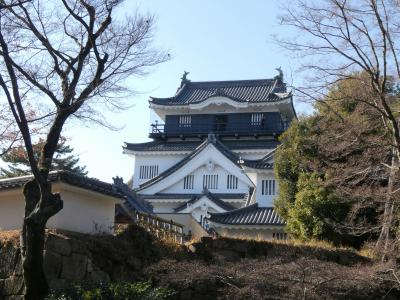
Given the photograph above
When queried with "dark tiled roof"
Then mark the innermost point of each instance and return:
(249, 215)
(67, 177)
(213, 197)
(190, 196)
(191, 145)
(264, 163)
(163, 146)
(133, 202)
(262, 90)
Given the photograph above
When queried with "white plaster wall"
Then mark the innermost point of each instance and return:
(85, 212)
(163, 161)
(266, 200)
(253, 177)
(160, 207)
(11, 209)
(82, 210)
(198, 182)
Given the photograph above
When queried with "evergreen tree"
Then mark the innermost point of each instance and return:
(64, 159)
(329, 170)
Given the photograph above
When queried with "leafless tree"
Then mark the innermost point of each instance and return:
(64, 59)
(338, 38)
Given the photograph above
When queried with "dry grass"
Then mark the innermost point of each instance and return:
(10, 236)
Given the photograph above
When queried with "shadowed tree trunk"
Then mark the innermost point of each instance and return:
(33, 237)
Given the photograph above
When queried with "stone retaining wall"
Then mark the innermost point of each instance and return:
(67, 260)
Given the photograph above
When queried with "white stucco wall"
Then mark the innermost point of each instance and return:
(198, 182)
(11, 209)
(163, 161)
(266, 200)
(84, 211)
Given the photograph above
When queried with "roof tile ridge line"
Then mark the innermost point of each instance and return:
(177, 93)
(213, 96)
(184, 161)
(180, 89)
(233, 81)
(273, 88)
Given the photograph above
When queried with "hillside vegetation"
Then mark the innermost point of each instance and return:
(239, 269)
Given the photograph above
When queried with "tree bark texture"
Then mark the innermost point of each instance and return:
(390, 208)
(33, 236)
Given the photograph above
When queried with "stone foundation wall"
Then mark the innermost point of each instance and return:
(66, 260)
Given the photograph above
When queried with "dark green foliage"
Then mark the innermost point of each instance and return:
(112, 291)
(329, 170)
(315, 209)
(64, 159)
(288, 165)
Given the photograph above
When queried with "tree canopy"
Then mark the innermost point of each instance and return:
(330, 169)
(64, 159)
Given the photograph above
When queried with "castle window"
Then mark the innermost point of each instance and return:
(185, 121)
(188, 182)
(257, 119)
(268, 187)
(210, 181)
(232, 182)
(148, 172)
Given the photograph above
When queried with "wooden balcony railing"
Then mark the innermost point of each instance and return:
(221, 128)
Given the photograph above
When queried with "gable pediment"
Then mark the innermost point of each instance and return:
(210, 158)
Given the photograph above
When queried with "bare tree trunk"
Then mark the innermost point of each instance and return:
(384, 241)
(33, 238)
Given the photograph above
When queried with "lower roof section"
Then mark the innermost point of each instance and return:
(212, 197)
(249, 215)
(239, 196)
(171, 146)
(87, 183)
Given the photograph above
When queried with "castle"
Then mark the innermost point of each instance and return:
(210, 163)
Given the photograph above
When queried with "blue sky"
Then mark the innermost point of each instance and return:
(213, 40)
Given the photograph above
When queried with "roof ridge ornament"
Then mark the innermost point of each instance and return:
(184, 78)
(212, 138)
(280, 75)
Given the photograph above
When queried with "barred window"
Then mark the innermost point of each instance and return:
(268, 187)
(188, 182)
(257, 119)
(148, 172)
(210, 181)
(232, 182)
(185, 121)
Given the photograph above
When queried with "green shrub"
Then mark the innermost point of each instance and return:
(112, 291)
